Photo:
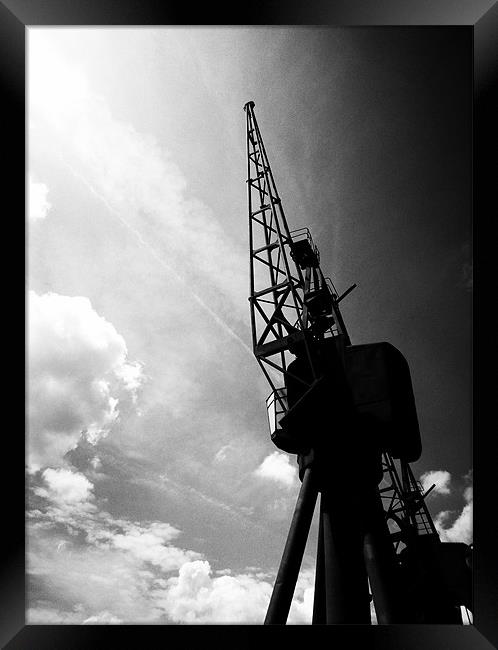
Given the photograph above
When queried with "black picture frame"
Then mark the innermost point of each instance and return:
(480, 16)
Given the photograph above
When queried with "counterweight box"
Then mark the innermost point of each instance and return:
(379, 379)
(378, 388)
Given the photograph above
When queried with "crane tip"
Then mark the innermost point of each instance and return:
(248, 105)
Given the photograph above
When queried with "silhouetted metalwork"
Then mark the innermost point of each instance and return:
(348, 413)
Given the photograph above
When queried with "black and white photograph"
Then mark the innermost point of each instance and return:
(250, 324)
(162, 484)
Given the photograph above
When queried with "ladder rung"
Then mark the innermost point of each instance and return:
(269, 247)
(275, 287)
(262, 209)
(260, 189)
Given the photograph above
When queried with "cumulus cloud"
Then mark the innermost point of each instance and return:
(451, 525)
(101, 567)
(150, 544)
(65, 487)
(276, 467)
(301, 610)
(197, 597)
(38, 204)
(122, 571)
(441, 478)
(460, 529)
(49, 615)
(113, 570)
(131, 374)
(88, 579)
(71, 506)
(78, 372)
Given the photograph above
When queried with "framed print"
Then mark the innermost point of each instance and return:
(155, 502)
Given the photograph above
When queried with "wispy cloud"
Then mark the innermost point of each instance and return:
(160, 260)
(138, 181)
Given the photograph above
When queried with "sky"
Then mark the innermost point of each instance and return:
(154, 493)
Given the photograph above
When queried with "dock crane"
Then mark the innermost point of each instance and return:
(348, 413)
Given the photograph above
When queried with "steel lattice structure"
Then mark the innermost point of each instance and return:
(288, 307)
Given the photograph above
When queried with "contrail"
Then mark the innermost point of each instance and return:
(157, 257)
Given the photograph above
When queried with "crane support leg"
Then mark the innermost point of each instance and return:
(346, 583)
(290, 564)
